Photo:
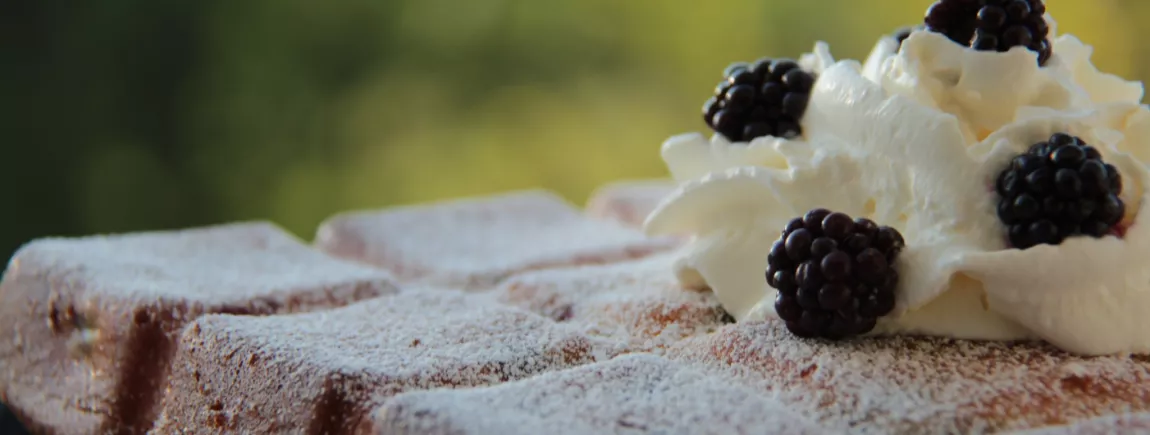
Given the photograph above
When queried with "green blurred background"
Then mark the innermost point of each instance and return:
(124, 115)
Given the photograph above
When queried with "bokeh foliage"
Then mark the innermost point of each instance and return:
(126, 115)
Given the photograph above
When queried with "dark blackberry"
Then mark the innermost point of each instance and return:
(993, 25)
(767, 98)
(834, 275)
(1058, 189)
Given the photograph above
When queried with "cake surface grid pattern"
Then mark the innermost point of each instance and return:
(562, 351)
(331, 365)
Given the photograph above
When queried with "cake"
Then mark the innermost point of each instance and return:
(947, 238)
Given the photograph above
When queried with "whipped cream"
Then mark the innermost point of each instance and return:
(986, 89)
(914, 140)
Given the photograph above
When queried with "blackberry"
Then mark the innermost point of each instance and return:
(834, 275)
(993, 25)
(1058, 189)
(767, 98)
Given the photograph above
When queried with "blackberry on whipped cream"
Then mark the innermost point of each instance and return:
(833, 274)
(916, 138)
(767, 98)
(993, 25)
(1059, 188)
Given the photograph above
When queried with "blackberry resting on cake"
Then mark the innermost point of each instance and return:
(1057, 189)
(767, 98)
(993, 25)
(834, 274)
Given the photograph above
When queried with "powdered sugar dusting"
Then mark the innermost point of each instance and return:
(628, 202)
(90, 323)
(110, 299)
(1112, 424)
(264, 374)
(477, 242)
(639, 303)
(224, 264)
(631, 394)
(923, 385)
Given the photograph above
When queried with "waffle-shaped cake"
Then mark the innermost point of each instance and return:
(564, 350)
(947, 238)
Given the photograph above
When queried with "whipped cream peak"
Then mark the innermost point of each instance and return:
(691, 155)
(986, 89)
(969, 84)
(915, 139)
(818, 60)
(1098, 87)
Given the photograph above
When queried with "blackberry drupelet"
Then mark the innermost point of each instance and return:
(993, 25)
(767, 98)
(1058, 189)
(834, 275)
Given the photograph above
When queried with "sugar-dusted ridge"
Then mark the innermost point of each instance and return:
(628, 202)
(630, 394)
(476, 243)
(923, 385)
(323, 372)
(90, 323)
(1111, 424)
(638, 304)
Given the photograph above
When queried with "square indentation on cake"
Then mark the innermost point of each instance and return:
(636, 393)
(638, 304)
(628, 202)
(910, 384)
(87, 324)
(475, 243)
(324, 372)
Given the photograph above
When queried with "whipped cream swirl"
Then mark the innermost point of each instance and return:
(915, 139)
